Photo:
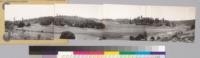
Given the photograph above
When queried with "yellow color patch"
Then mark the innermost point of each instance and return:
(111, 53)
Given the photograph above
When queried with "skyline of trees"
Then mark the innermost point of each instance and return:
(76, 21)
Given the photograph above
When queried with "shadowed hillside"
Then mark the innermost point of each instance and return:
(73, 21)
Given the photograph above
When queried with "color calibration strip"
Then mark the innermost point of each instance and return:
(98, 51)
(53, 50)
(110, 54)
(113, 56)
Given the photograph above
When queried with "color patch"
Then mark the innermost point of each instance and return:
(111, 53)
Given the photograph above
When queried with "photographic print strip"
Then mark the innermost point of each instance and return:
(100, 22)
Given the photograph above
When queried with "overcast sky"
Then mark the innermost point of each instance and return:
(28, 11)
(132, 11)
(82, 10)
(112, 11)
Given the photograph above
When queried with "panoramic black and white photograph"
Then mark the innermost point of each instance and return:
(100, 22)
(28, 22)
